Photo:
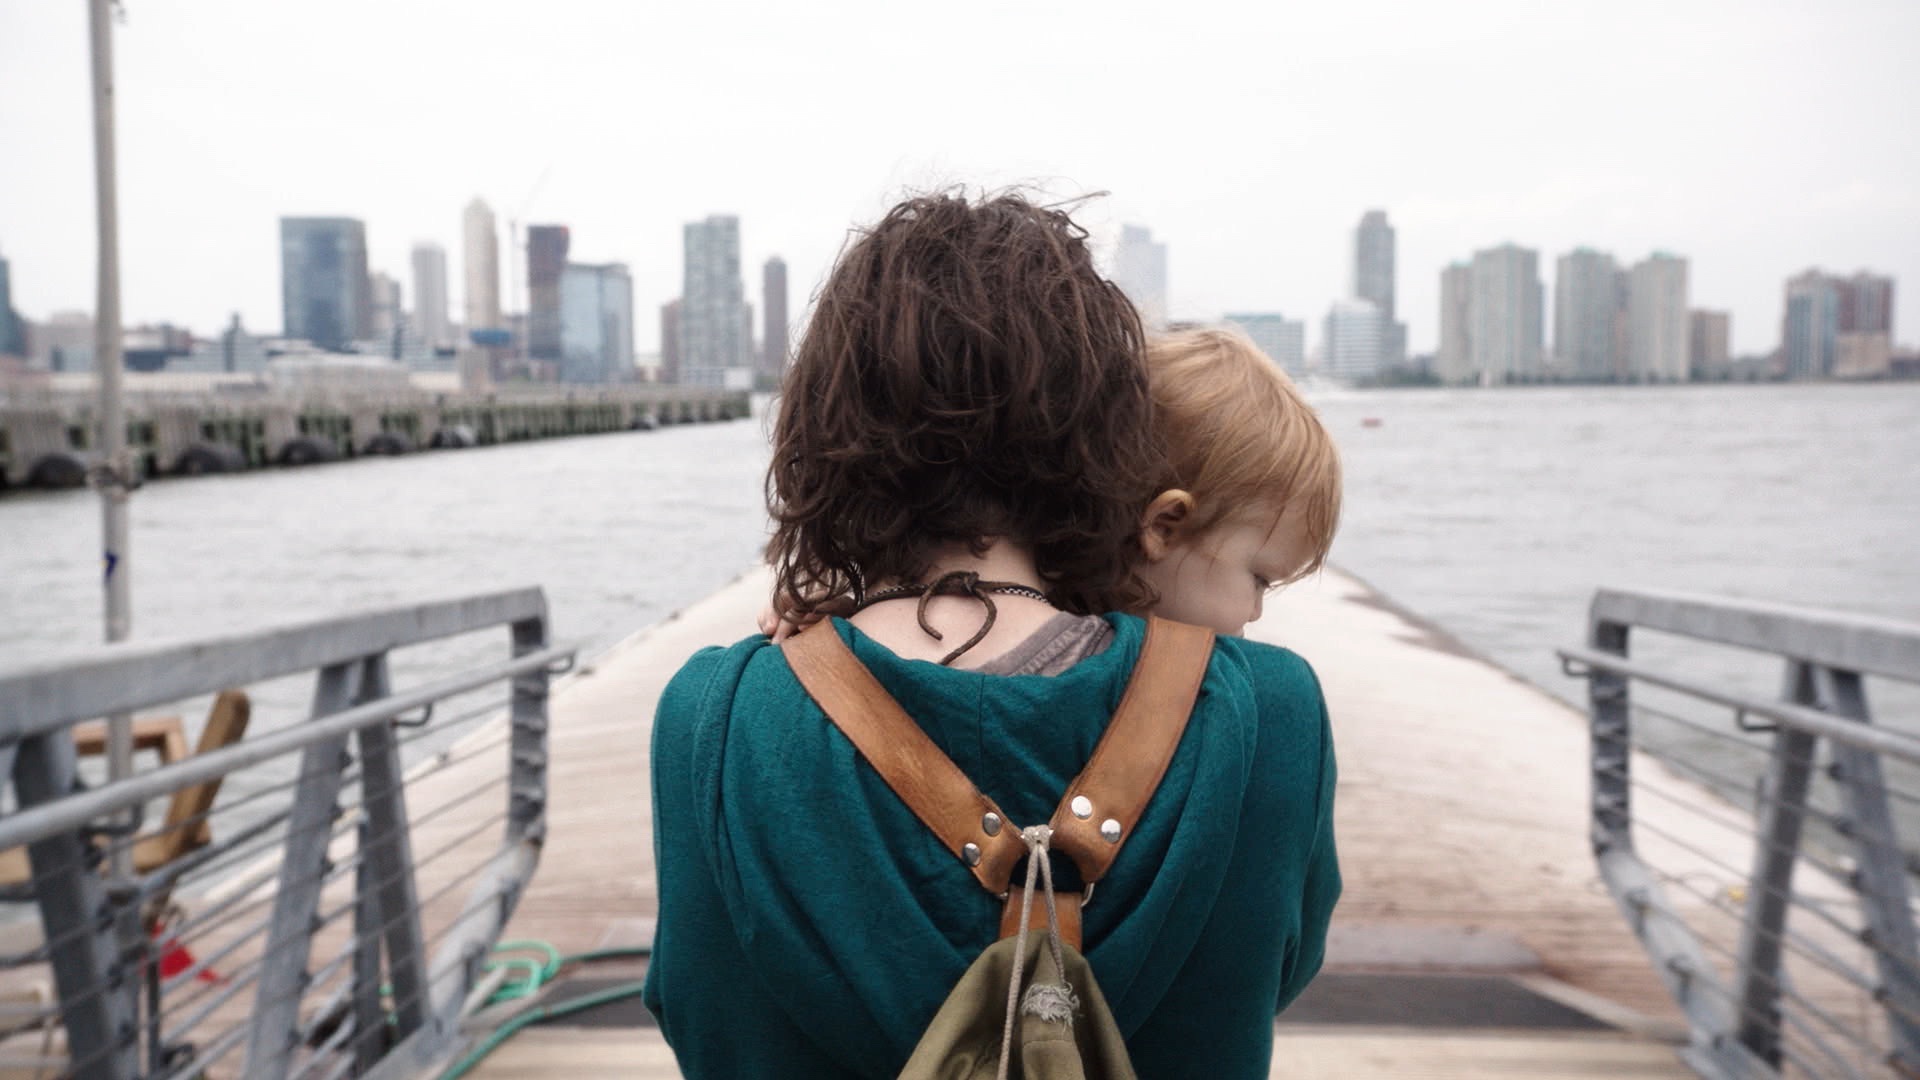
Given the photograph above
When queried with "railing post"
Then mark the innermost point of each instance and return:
(95, 985)
(1789, 772)
(389, 850)
(1612, 749)
(369, 1015)
(283, 971)
(527, 812)
(1880, 867)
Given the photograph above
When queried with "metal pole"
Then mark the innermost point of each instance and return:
(114, 477)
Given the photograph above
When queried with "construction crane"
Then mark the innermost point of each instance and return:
(516, 257)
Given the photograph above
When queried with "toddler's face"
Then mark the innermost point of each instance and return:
(1218, 578)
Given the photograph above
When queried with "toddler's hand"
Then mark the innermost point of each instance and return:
(781, 625)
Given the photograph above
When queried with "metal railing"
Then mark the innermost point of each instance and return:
(334, 909)
(1783, 928)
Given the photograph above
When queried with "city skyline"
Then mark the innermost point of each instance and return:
(1612, 159)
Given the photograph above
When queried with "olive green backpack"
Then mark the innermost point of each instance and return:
(1061, 1027)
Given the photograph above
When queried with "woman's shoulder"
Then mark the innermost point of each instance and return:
(706, 687)
(1274, 670)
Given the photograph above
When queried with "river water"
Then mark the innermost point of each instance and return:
(1494, 513)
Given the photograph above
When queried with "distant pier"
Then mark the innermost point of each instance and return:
(51, 443)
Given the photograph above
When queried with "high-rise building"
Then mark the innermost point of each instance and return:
(596, 323)
(1810, 325)
(773, 305)
(1453, 360)
(1373, 281)
(1589, 296)
(388, 314)
(1657, 319)
(1373, 262)
(1866, 304)
(326, 294)
(1355, 340)
(1140, 269)
(430, 294)
(716, 345)
(1504, 315)
(481, 250)
(670, 341)
(1284, 340)
(547, 247)
(1709, 343)
(13, 332)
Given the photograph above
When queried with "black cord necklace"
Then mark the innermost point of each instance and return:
(954, 583)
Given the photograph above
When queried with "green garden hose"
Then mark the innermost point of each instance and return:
(541, 1013)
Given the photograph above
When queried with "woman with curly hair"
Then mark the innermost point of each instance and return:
(964, 447)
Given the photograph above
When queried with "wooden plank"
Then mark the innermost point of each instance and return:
(1348, 1053)
(541, 1052)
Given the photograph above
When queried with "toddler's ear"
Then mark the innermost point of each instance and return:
(1163, 523)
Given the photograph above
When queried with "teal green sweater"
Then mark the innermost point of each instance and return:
(810, 925)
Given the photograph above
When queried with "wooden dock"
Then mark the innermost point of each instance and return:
(1461, 821)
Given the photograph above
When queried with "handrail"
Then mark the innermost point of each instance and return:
(123, 678)
(1774, 1003)
(1870, 644)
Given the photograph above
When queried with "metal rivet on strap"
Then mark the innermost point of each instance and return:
(990, 824)
(1082, 807)
(1110, 831)
(971, 854)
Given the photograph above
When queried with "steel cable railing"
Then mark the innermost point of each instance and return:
(227, 952)
(1824, 980)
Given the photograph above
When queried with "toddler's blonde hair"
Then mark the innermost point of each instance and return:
(1239, 436)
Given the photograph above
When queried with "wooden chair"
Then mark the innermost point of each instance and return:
(163, 735)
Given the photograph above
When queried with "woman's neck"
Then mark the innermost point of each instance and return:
(895, 624)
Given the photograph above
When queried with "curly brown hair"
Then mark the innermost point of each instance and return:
(967, 374)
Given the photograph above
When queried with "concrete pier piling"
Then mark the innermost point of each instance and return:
(52, 443)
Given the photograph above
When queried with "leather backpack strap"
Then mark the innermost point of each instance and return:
(1106, 800)
(933, 787)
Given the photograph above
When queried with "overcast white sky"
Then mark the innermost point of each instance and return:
(1756, 137)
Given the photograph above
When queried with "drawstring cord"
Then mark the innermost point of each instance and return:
(1044, 1000)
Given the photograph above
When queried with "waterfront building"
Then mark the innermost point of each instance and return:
(1373, 281)
(481, 253)
(1589, 320)
(547, 247)
(773, 303)
(716, 340)
(13, 332)
(430, 294)
(1140, 269)
(1866, 304)
(1453, 360)
(1505, 320)
(670, 341)
(388, 314)
(596, 323)
(1709, 344)
(1355, 340)
(1862, 355)
(326, 293)
(1657, 319)
(62, 343)
(1284, 340)
(1810, 325)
